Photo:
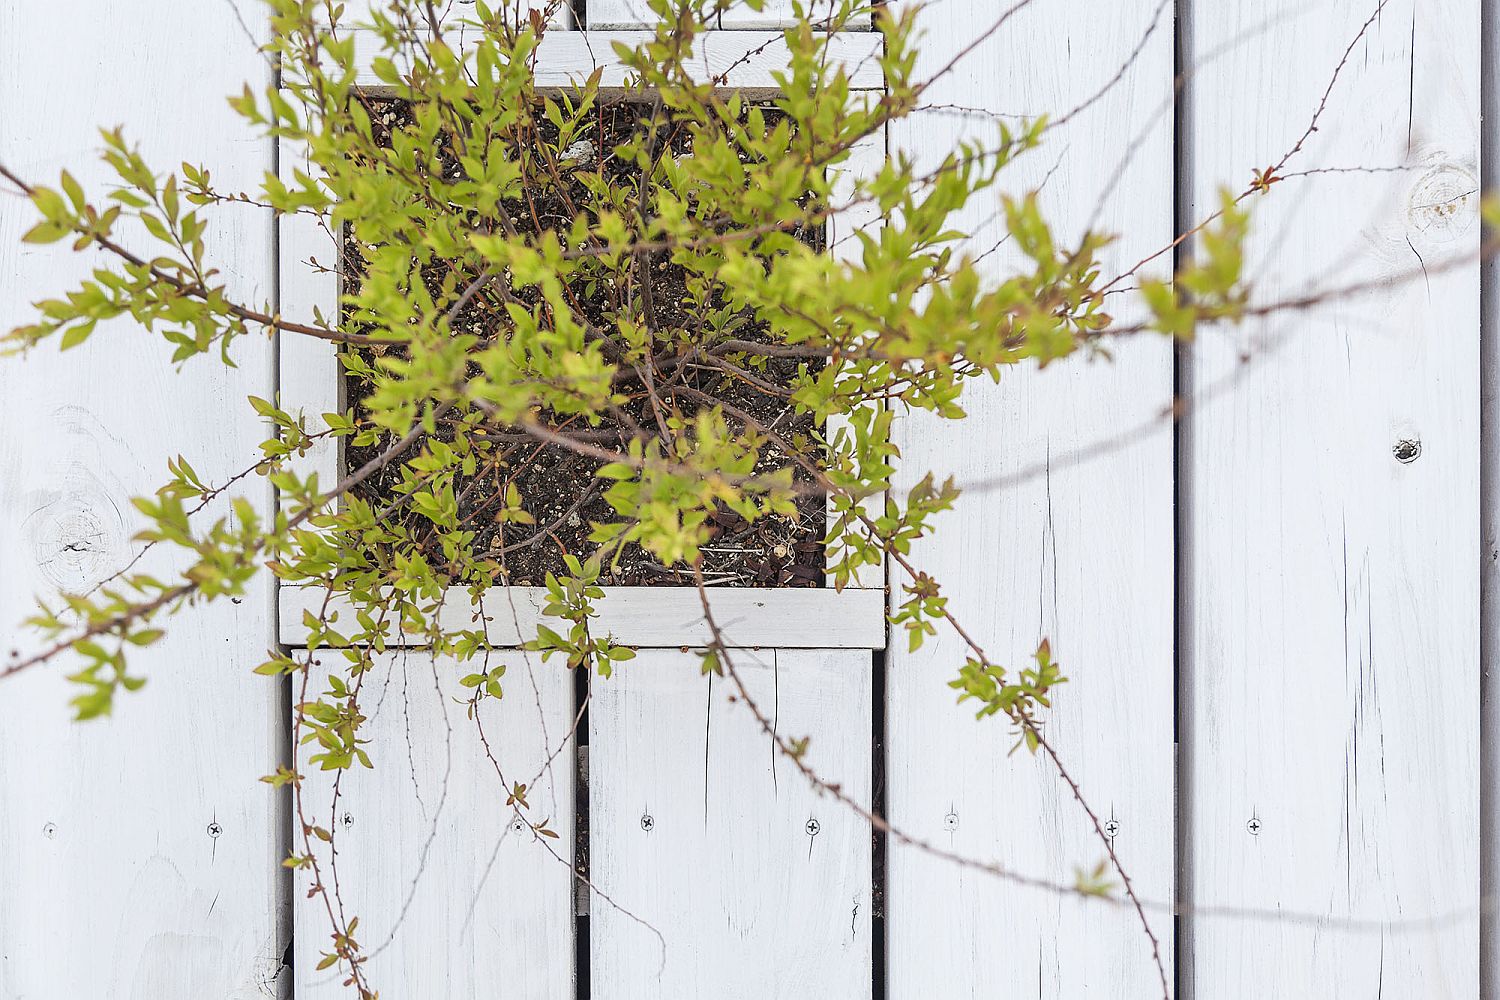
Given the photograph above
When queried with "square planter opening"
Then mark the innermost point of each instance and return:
(767, 575)
(557, 488)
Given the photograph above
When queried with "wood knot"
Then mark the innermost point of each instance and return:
(77, 539)
(1442, 205)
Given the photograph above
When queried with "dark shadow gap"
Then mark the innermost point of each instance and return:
(1182, 452)
(878, 846)
(286, 981)
(1489, 516)
(581, 980)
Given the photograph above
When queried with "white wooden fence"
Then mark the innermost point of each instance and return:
(1271, 608)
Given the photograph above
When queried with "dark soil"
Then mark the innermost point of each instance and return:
(557, 486)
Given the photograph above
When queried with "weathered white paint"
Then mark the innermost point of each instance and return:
(699, 833)
(139, 856)
(1079, 553)
(455, 896)
(737, 15)
(738, 59)
(652, 616)
(1332, 623)
(637, 13)
(456, 18)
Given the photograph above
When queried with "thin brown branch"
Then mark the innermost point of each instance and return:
(198, 291)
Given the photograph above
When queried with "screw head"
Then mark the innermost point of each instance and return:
(647, 823)
(50, 831)
(1112, 827)
(813, 826)
(214, 829)
(1254, 826)
(950, 821)
(347, 820)
(1407, 450)
(517, 826)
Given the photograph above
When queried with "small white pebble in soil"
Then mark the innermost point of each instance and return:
(781, 551)
(581, 150)
(574, 520)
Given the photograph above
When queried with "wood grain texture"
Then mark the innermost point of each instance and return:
(699, 831)
(1333, 616)
(456, 897)
(139, 856)
(604, 14)
(1076, 550)
(737, 17)
(655, 616)
(456, 18)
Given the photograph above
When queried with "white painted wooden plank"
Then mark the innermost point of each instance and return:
(1333, 577)
(738, 16)
(604, 14)
(1079, 553)
(745, 59)
(456, 18)
(308, 370)
(698, 830)
(858, 216)
(654, 616)
(456, 898)
(114, 884)
(866, 158)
